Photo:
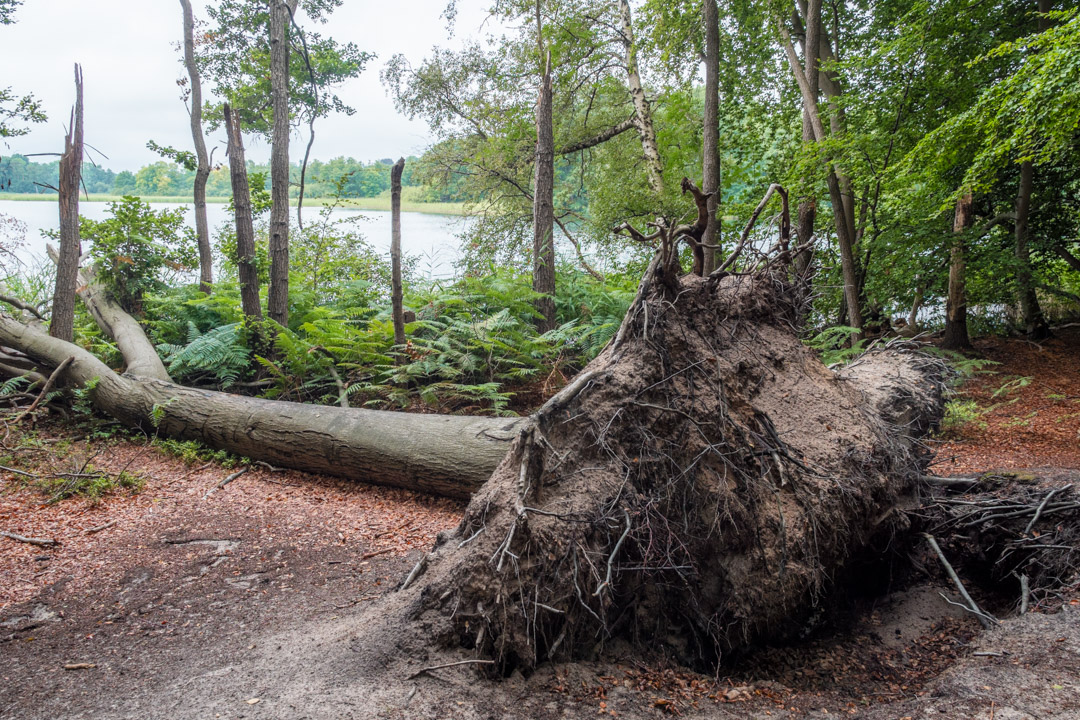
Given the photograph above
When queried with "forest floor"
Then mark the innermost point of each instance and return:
(263, 598)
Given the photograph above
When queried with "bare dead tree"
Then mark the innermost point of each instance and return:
(62, 324)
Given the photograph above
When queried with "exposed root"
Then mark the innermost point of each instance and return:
(697, 487)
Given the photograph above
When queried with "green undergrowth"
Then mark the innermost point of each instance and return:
(191, 452)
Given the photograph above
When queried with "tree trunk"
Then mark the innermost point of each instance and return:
(441, 454)
(245, 228)
(710, 171)
(140, 357)
(544, 207)
(395, 252)
(844, 230)
(62, 323)
(277, 304)
(202, 172)
(1035, 325)
(651, 149)
(1068, 257)
(956, 330)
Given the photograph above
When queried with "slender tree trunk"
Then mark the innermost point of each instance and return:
(1035, 325)
(544, 207)
(844, 231)
(651, 149)
(278, 298)
(956, 330)
(62, 323)
(710, 170)
(202, 172)
(395, 252)
(808, 205)
(245, 227)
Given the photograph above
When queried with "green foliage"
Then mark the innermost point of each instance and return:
(89, 484)
(138, 250)
(960, 414)
(192, 451)
(835, 346)
(220, 354)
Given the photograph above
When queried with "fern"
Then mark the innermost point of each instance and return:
(219, 353)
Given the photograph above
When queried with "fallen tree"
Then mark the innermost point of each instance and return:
(440, 454)
(702, 484)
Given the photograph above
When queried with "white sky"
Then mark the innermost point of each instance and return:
(130, 65)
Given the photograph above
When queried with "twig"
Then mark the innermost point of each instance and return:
(45, 390)
(1025, 592)
(79, 666)
(99, 528)
(420, 672)
(368, 556)
(40, 542)
(198, 469)
(18, 472)
(983, 617)
(1027, 530)
(226, 481)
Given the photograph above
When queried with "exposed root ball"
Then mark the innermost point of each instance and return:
(696, 487)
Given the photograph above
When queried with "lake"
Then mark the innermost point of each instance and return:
(431, 238)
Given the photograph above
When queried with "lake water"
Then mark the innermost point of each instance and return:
(431, 238)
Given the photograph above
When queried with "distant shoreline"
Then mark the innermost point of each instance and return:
(375, 203)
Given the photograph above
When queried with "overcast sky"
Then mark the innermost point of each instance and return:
(127, 49)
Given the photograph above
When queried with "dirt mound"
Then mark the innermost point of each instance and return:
(697, 487)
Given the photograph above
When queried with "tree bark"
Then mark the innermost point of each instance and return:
(441, 454)
(202, 172)
(62, 323)
(956, 330)
(1035, 325)
(651, 149)
(245, 228)
(544, 205)
(278, 297)
(395, 252)
(710, 171)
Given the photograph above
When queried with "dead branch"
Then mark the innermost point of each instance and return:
(48, 386)
(226, 481)
(40, 542)
(99, 528)
(774, 188)
(985, 619)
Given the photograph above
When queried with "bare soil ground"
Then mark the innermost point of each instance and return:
(263, 600)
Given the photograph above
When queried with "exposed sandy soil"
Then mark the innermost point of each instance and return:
(262, 600)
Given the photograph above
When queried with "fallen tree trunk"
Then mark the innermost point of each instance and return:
(702, 484)
(140, 357)
(441, 454)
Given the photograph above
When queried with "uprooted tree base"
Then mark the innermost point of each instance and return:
(697, 487)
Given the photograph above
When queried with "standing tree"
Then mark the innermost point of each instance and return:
(710, 151)
(543, 277)
(395, 252)
(202, 169)
(62, 324)
(278, 297)
(245, 230)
